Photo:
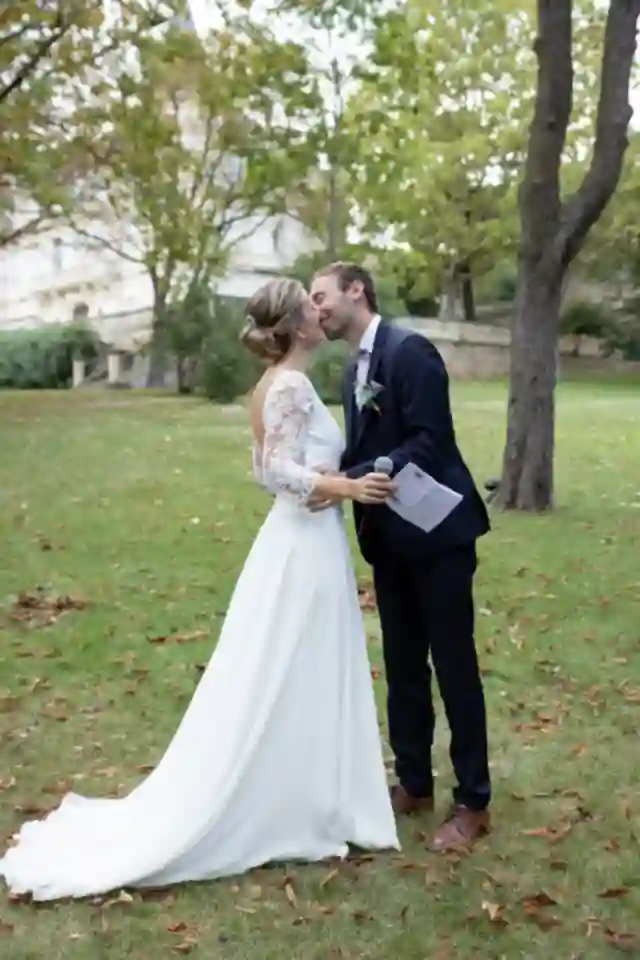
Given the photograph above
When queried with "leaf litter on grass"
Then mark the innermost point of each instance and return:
(561, 666)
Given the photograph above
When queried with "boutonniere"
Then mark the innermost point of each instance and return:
(366, 394)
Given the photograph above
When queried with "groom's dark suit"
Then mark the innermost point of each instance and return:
(423, 581)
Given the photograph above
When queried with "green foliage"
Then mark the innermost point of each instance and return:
(191, 139)
(52, 53)
(226, 369)
(320, 195)
(612, 253)
(42, 358)
(617, 328)
(443, 110)
(624, 336)
(501, 284)
(327, 371)
(585, 318)
(182, 330)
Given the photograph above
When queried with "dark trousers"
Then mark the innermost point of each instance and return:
(426, 610)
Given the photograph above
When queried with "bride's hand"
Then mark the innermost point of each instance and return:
(374, 488)
(319, 501)
(333, 488)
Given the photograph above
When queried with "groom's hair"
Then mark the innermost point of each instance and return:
(348, 273)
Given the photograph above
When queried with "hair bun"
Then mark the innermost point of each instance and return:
(273, 314)
(260, 341)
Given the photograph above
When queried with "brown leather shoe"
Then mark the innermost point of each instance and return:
(404, 803)
(461, 829)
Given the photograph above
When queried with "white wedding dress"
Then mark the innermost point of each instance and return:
(278, 756)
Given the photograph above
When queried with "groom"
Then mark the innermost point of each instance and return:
(396, 403)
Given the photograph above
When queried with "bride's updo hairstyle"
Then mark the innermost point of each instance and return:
(274, 313)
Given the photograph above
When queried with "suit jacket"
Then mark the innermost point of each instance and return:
(412, 422)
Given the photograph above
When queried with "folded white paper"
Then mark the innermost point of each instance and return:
(420, 499)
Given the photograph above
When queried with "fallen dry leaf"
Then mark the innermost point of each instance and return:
(542, 899)
(18, 897)
(290, 894)
(626, 942)
(157, 895)
(495, 912)
(179, 927)
(329, 877)
(591, 924)
(367, 596)
(7, 704)
(39, 609)
(179, 637)
(54, 713)
(187, 945)
(108, 772)
(614, 893)
(31, 810)
(122, 898)
(6, 928)
(360, 916)
(552, 834)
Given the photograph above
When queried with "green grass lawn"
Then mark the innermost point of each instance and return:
(142, 509)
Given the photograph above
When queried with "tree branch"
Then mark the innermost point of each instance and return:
(16, 34)
(30, 227)
(540, 191)
(584, 208)
(59, 28)
(101, 242)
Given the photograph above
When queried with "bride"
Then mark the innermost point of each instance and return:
(278, 755)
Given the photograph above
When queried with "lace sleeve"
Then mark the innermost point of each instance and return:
(286, 414)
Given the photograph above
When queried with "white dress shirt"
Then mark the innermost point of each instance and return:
(365, 350)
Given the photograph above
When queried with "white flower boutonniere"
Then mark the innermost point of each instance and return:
(366, 394)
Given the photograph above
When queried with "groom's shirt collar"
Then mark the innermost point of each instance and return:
(369, 336)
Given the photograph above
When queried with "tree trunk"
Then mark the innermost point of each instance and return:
(157, 350)
(553, 233)
(182, 380)
(449, 299)
(467, 293)
(333, 216)
(527, 481)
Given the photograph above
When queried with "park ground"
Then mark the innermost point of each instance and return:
(124, 521)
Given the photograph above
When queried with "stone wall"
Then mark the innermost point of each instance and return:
(478, 352)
